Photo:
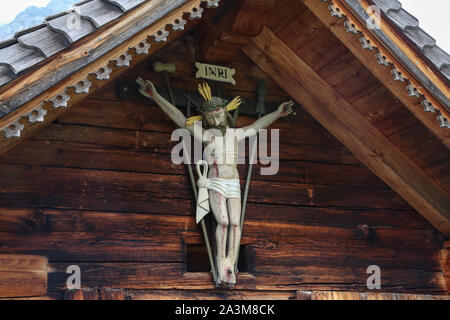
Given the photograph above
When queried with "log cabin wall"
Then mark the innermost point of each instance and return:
(97, 189)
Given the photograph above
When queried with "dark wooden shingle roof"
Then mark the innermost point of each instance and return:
(56, 33)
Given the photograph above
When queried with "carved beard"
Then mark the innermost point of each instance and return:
(222, 127)
(227, 123)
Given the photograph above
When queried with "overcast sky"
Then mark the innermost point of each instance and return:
(432, 14)
(433, 18)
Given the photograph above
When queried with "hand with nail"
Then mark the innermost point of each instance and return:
(286, 109)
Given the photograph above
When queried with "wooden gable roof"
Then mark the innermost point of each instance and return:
(414, 73)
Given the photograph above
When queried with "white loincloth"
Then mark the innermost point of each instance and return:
(229, 188)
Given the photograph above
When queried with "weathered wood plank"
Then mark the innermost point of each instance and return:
(112, 294)
(392, 280)
(22, 275)
(45, 221)
(92, 156)
(337, 295)
(41, 220)
(338, 216)
(336, 114)
(138, 116)
(209, 295)
(420, 144)
(163, 276)
(131, 191)
(303, 295)
(94, 236)
(51, 296)
(349, 77)
(445, 263)
(298, 255)
(91, 246)
(232, 29)
(273, 234)
(82, 294)
(384, 111)
(287, 10)
(308, 36)
(314, 147)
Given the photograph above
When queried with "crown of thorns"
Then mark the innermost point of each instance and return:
(212, 103)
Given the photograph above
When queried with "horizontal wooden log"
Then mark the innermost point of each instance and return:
(52, 296)
(295, 255)
(130, 191)
(338, 216)
(42, 221)
(314, 149)
(145, 116)
(22, 275)
(272, 234)
(29, 220)
(209, 295)
(85, 246)
(393, 280)
(95, 236)
(94, 294)
(338, 295)
(179, 295)
(112, 294)
(163, 276)
(91, 156)
(445, 263)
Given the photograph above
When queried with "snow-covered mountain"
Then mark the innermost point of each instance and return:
(32, 16)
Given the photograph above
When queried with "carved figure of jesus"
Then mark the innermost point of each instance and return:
(223, 177)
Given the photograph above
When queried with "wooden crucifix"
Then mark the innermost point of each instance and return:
(218, 177)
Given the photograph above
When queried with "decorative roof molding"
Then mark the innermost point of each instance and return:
(17, 60)
(368, 44)
(409, 25)
(15, 125)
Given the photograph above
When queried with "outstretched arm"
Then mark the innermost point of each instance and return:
(148, 90)
(283, 110)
